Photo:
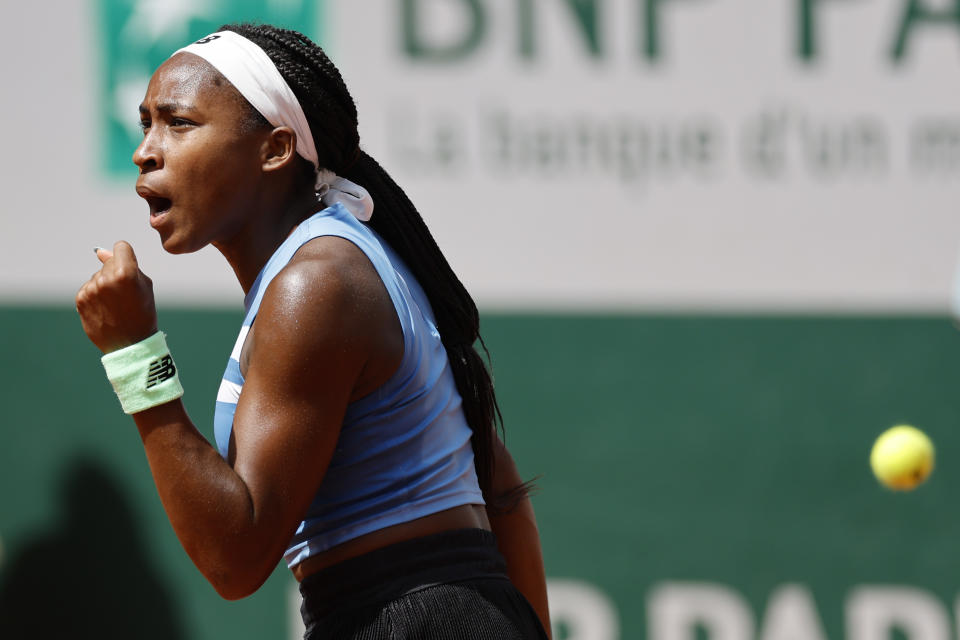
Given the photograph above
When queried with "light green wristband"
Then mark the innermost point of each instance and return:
(143, 374)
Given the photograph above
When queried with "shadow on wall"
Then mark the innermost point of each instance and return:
(89, 575)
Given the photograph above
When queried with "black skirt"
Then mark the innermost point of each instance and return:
(448, 586)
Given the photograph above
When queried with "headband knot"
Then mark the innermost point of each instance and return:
(332, 189)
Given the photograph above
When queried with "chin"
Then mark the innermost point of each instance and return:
(176, 246)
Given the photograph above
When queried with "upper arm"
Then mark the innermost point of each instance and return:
(316, 335)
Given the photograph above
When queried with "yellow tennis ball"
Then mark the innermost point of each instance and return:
(902, 457)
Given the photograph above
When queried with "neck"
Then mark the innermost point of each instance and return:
(250, 248)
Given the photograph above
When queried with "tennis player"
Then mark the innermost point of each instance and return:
(355, 425)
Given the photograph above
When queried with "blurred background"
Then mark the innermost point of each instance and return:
(713, 244)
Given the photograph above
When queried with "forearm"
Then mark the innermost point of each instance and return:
(519, 542)
(518, 537)
(209, 505)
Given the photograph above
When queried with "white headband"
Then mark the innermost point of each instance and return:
(250, 70)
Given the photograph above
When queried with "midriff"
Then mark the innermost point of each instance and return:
(468, 516)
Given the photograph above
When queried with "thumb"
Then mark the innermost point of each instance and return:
(103, 254)
(123, 253)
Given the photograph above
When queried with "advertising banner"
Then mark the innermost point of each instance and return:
(613, 154)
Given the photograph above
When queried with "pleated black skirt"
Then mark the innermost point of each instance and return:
(448, 586)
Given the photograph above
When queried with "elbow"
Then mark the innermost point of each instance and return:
(235, 574)
(234, 591)
(236, 584)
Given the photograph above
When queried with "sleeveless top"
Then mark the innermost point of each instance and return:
(404, 450)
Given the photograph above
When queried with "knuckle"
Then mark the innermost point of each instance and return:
(85, 296)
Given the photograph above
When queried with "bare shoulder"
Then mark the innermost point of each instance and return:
(330, 296)
(325, 266)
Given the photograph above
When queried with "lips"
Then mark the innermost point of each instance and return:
(159, 204)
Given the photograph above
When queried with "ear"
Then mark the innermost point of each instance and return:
(278, 149)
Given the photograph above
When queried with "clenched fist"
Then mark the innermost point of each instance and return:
(116, 304)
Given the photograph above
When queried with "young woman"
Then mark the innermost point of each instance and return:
(355, 424)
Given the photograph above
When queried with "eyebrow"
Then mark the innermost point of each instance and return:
(168, 107)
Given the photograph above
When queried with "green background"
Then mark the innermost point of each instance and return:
(123, 57)
(725, 449)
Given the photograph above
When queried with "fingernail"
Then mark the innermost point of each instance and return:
(96, 250)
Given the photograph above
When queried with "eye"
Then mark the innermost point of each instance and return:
(181, 122)
(144, 125)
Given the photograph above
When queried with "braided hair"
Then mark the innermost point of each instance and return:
(332, 115)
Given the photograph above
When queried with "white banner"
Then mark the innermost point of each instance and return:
(639, 154)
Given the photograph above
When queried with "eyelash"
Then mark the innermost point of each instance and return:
(174, 122)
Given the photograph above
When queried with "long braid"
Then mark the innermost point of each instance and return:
(332, 115)
(457, 317)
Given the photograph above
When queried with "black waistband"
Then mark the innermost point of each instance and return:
(388, 573)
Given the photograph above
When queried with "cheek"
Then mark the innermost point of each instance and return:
(223, 198)
(217, 175)
(232, 169)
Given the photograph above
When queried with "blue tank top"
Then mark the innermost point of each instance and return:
(404, 450)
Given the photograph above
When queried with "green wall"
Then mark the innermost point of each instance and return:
(729, 450)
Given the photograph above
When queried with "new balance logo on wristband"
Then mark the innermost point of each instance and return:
(160, 371)
(135, 390)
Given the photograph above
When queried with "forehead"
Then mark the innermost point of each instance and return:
(186, 78)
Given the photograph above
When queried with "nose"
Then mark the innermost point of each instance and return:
(147, 155)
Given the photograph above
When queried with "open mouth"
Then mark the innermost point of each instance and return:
(158, 205)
